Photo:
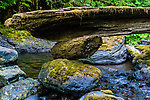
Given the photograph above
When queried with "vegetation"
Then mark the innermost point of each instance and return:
(20, 35)
(136, 38)
(9, 7)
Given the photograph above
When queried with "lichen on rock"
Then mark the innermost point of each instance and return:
(81, 47)
(144, 56)
(69, 76)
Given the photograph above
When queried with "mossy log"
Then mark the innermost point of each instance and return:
(41, 20)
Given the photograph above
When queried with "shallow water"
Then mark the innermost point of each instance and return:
(31, 63)
(124, 66)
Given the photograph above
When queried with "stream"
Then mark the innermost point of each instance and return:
(121, 78)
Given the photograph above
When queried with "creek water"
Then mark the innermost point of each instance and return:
(31, 63)
(121, 79)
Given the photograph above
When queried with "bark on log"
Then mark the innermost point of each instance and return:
(83, 18)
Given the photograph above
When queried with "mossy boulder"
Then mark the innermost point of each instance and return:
(69, 76)
(96, 95)
(144, 56)
(81, 47)
(7, 55)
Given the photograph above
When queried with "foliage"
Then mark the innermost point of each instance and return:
(14, 34)
(136, 38)
(97, 3)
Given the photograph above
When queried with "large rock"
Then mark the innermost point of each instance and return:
(10, 74)
(20, 90)
(144, 56)
(140, 55)
(4, 43)
(32, 45)
(81, 47)
(96, 95)
(112, 51)
(7, 55)
(69, 76)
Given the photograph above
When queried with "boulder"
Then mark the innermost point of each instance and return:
(144, 56)
(20, 90)
(96, 95)
(4, 43)
(112, 51)
(81, 47)
(7, 55)
(140, 55)
(69, 76)
(10, 74)
(32, 45)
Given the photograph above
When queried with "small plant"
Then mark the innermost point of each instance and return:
(136, 38)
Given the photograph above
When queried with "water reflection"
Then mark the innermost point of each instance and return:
(31, 63)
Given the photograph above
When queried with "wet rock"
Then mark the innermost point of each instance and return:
(96, 95)
(81, 47)
(4, 43)
(19, 90)
(10, 74)
(32, 45)
(33, 97)
(7, 55)
(112, 51)
(69, 76)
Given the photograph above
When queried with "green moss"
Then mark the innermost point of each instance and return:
(18, 35)
(62, 69)
(100, 97)
(133, 53)
(107, 91)
(144, 57)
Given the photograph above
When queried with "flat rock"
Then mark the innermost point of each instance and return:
(19, 90)
(81, 47)
(97, 95)
(69, 76)
(7, 55)
(32, 45)
(10, 74)
(112, 51)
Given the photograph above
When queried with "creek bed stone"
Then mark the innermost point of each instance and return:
(7, 55)
(10, 74)
(69, 76)
(112, 51)
(20, 90)
(77, 48)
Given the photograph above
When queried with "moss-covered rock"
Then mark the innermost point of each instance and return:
(96, 95)
(23, 41)
(107, 91)
(69, 76)
(81, 47)
(144, 56)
